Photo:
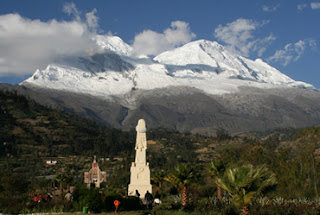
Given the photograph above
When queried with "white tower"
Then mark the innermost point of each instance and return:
(140, 172)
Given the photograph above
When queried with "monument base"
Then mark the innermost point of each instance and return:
(139, 180)
(142, 189)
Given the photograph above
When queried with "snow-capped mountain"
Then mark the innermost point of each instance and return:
(113, 43)
(199, 87)
(201, 64)
(225, 64)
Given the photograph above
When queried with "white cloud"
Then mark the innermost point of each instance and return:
(239, 38)
(71, 9)
(92, 19)
(151, 43)
(266, 8)
(292, 51)
(315, 5)
(302, 6)
(260, 45)
(27, 45)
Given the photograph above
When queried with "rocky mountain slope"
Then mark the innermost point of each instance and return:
(199, 87)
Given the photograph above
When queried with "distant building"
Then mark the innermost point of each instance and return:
(95, 175)
(51, 162)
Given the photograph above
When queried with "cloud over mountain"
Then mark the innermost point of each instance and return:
(29, 44)
(292, 51)
(238, 36)
(151, 43)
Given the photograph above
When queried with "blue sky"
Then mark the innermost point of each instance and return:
(285, 34)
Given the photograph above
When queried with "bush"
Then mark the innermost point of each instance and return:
(214, 205)
(288, 209)
(84, 197)
(169, 203)
(131, 203)
(109, 199)
(126, 204)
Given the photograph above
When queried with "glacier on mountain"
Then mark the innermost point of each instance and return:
(115, 71)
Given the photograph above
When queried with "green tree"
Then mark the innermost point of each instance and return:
(245, 182)
(158, 178)
(68, 180)
(61, 178)
(181, 177)
(216, 169)
(84, 197)
(223, 135)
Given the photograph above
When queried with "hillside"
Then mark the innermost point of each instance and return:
(32, 134)
(30, 130)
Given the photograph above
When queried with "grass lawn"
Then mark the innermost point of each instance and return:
(127, 213)
(141, 212)
(104, 213)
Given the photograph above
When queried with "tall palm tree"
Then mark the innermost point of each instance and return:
(217, 168)
(245, 182)
(181, 177)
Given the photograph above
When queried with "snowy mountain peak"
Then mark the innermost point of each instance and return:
(204, 65)
(195, 52)
(113, 43)
(210, 56)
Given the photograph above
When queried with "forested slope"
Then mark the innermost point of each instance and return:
(31, 133)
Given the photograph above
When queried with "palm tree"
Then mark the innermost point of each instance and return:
(158, 178)
(245, 182)
(217, 168)
(60, 179)
(181, 177)
(68, 180)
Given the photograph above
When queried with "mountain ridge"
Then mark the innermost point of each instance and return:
(202, 64)
(190, 110)
(200, 89)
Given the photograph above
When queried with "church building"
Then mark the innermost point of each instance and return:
(95, 175)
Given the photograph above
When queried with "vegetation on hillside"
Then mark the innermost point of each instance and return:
(29, 128)
(31, 134)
